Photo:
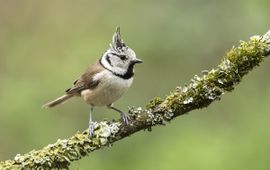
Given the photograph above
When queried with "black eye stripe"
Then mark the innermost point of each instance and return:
(115, 54)
(122, 57)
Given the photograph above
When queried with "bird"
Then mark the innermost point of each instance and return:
(105, 81)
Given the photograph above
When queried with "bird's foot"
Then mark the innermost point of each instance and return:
(91, 129)
(125, 118)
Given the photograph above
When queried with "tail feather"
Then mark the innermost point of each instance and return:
(57, 101)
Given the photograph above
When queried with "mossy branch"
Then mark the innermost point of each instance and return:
(201, 92)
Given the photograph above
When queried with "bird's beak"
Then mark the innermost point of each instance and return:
(136, 61)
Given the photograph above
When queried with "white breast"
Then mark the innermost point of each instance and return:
(109, 89)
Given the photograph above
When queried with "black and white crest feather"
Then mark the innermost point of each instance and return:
(117, 42)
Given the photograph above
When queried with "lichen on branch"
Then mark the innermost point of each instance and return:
(201, 92)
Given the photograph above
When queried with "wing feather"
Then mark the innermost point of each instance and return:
(86, 80)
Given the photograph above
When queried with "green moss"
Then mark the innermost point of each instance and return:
(209, 87)
(154, 102)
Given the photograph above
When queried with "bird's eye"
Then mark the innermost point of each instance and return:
(123, 57)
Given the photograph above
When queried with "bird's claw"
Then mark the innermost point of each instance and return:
(91, 129)
(125, 118)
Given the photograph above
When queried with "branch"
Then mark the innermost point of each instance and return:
(201, 92)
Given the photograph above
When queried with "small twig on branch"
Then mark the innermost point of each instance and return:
(201, 92)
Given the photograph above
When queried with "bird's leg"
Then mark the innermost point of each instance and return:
(124, 116)
(91, 123)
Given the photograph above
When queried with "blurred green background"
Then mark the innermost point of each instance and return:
(45, 45)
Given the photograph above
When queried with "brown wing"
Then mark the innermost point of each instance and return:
(86, 80)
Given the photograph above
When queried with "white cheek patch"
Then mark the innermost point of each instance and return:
(112, 62)
(120, 71)
(113, 67)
